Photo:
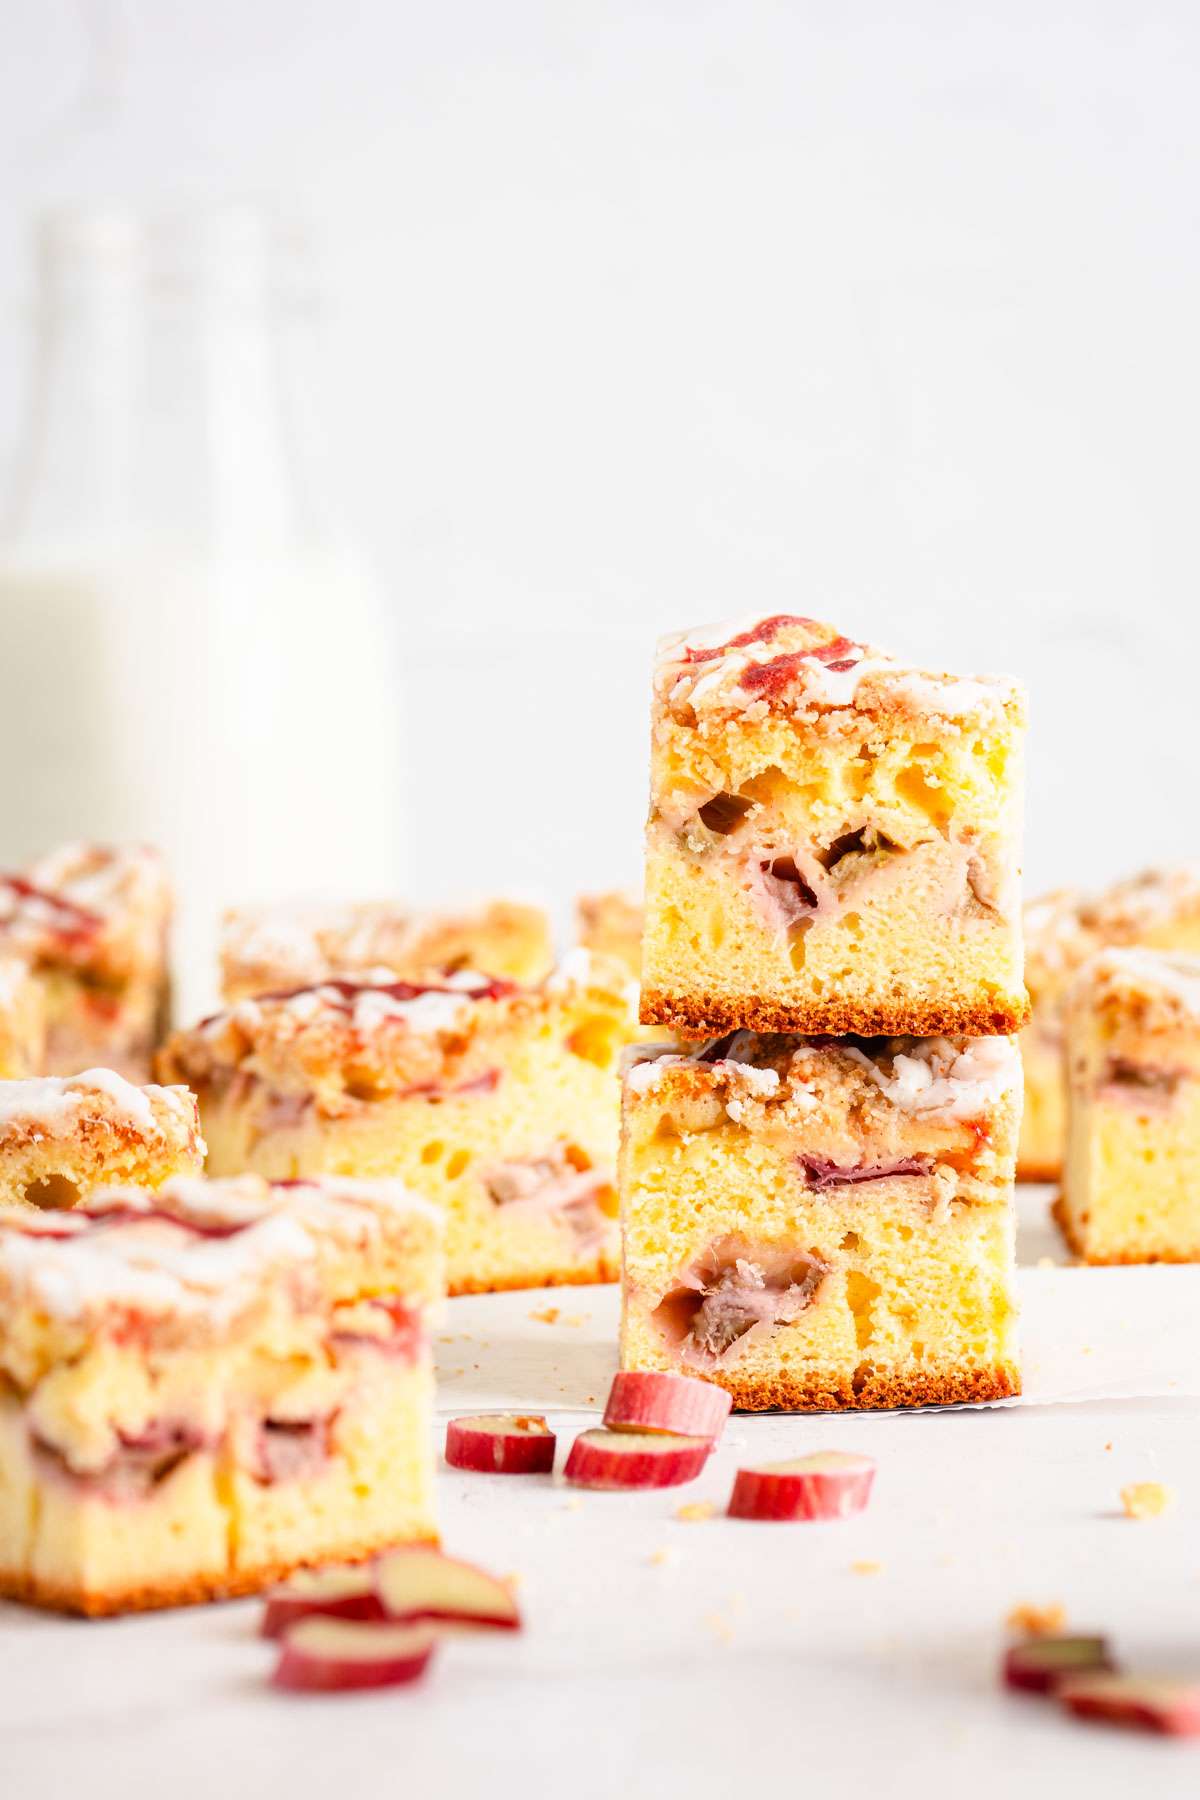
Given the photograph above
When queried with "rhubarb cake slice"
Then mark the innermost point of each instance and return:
(1159, 908)
(22, 1018)
(267, 949)
(62, 1137)
(206, 1388)
(611, 924)
(93, 923)
(833, 841)
(1057, 944)
(824, 1223)
(1131, 1186)
(499, 1103)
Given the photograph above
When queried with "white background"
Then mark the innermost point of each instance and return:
(642, 314)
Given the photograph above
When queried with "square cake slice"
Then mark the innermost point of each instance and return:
(206, 1388)
(269, 949)
(22, 1018)
(833, 841)
(823, 1224)
(499, 1103)
(1159, 908)
(61, 1137)
(1131, 1187)
(611, 924)
(93, 923)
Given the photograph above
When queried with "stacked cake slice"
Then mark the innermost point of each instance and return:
(817, 1200)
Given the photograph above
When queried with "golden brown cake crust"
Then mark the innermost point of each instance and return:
(881, 1392)
(1126, 1259)
(706, 1015)
(1035, 1171)
(155, 1596)
(602, 1269)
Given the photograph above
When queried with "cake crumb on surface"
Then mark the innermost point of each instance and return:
(1037, 1621)
(1147, 1499)
(663, 1555)
(546, 1315)
(720, 1626)
(695, 1512)
(866, 1566)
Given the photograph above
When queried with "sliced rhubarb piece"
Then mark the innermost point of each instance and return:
(1144, 1702)
(341, 1593)
(635, 1459)
(324, 1656)
(831, 1485)
(418, 1583)
(1037, 1667)
(501, 1444)
(644, 1400)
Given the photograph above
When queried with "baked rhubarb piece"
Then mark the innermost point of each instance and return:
(611, 924)
(22, 1018)
(268, 949)
(499, 1103)
(62, 1137)
(92, 922)
(834, 839)
(1159, 908)
(825, 1223)
(1131, 1186)
(204, 1389)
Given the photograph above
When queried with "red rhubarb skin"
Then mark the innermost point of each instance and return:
(596, 1466)
(302, 1672)
(499, 1452)
(284, 1610)
(1023, 1671)
(1179, 1718)
(644, 1401)
(761, 1495)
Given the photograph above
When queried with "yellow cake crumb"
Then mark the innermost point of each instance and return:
(695, 1512)
(547, 1315)
(865, 1566)
(1147, 1499)
(664, 1554)
(1037, 1621)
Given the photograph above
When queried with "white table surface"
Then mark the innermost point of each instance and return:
(753, 1659)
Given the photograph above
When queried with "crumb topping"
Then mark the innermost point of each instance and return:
(952, 1079)
(99, 907)
(301, 944)
(957, 1079)
(194, 1246)
(1135, 975)
(54, 1106)
(1143, 902)
(789, 662)
(352, 1039)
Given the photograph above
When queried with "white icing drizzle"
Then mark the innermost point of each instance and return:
(938, 1076)
(1150, 972)
(56, 1103)
(160, 1266)
(716, 682)
(369, 1004)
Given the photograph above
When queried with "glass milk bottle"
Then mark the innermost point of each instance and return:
(191, 654)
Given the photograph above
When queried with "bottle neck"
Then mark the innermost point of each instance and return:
(160, 417)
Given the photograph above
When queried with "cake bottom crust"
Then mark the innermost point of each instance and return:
(29, 1591)
(604, 1269)
(702, 1015)
(1039, 1171)
(881, 1392)
(1121, 1258)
